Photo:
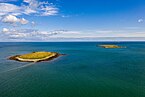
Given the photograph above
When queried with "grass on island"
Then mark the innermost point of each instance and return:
(37, 55)
(110, 46)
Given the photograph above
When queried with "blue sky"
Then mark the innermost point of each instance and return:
(72, 20)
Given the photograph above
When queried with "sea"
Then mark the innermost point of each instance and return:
(86, 70)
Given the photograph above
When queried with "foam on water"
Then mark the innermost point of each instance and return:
(18, 68)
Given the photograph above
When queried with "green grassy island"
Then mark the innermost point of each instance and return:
(110, 46)
(35, 56)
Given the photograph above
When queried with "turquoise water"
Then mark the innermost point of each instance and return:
(86, 70)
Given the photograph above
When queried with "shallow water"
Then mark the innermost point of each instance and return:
(86, 71)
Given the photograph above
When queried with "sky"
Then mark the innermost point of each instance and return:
(72, 20)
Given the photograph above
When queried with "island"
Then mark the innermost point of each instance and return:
(110, 46)
(35, 56)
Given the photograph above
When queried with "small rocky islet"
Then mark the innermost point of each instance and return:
(111, 46)
(35, 56)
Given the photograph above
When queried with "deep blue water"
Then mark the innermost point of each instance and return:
(86, 71)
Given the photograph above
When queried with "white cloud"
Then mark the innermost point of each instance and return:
(5, 30)
(60, 35)
(27, 1)
(10, 19)
(11, 13)
(33, 23)
(23, 21)
(13, 19)
(29, 34)
(98, 34)
(39, 8)
(33, 7)
(6, 8)
(48, 10)
(27, 10)
(140, 20)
